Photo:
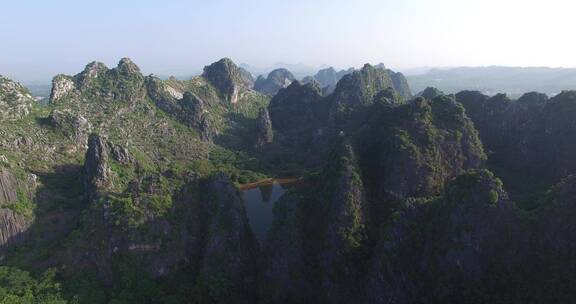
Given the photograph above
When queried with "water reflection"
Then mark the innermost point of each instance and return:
(259, 199)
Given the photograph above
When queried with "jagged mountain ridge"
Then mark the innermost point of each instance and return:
(276, 80)
(392, 186)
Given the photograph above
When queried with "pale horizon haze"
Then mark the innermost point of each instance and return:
(43, 38)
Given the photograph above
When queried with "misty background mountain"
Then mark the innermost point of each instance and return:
(490, 80)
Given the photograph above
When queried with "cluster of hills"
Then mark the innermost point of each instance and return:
(491, 80)
(124, 188)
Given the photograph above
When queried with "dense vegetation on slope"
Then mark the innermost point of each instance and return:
(133, 195)
(123, 189)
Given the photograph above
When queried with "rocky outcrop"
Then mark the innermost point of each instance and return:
(189, 109)
(62, 85)
(227, 78)
(347, 200)
(400, 84)
(13, 226)
(328, 78)
(283, 276)
(422, 145)
(296, 107)
(75, 127)
(207, 233)
(346, 224)
(300, 122)
(430, 93)
(264, 133)
(124, 83)
(8, 187)
(247, 78)
(197, 116)
(355, 91)
(97, 178)
(91, 73)
(127, 67)
(517, 135)
(304, 121)
(276, 80)
(317, 235)
(451, 244)
(162, 95)
(15, 100)
(229, 268)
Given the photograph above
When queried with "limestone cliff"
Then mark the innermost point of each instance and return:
(15, 100)
(13, 225)
(276, 80)
(264, 133)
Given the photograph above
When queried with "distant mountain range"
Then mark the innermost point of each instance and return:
(491, 80)
(513, 81)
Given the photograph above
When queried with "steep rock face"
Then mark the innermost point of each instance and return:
(166, 227)
(226, 76)
(96, 81)
(556, 229)
(328, 78)
(307, 123)
(247, 78)
(8, 187)
(418, 147)
(229, 268)
(300, 121)
(283, 275)
(163, 96)
(430, 93)
(62, 85)
(360, 87)
(296, 106)
(276, 80)
(345, 226)
(15, 100)
(96, 169)
(189, 108)
(131, 222)
(550, 267)
(264, 133)
(97, 184)
(518, 133)
(316, 235)
(12, 225)
(452, 244)
(75, 127)
(401, 151)
(196, 115)
(400, 84)
(357, 90)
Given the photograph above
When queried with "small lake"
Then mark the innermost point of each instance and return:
(259, 199)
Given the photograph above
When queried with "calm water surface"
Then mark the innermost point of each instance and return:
(259, 201)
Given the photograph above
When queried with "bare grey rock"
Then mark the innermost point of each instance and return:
(12, 225)
(15, 100)
(62, 85)
(96, 169)
(74, 126)
(276, 80)
(264, 133)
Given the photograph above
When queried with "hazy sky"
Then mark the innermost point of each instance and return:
(42, 38)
